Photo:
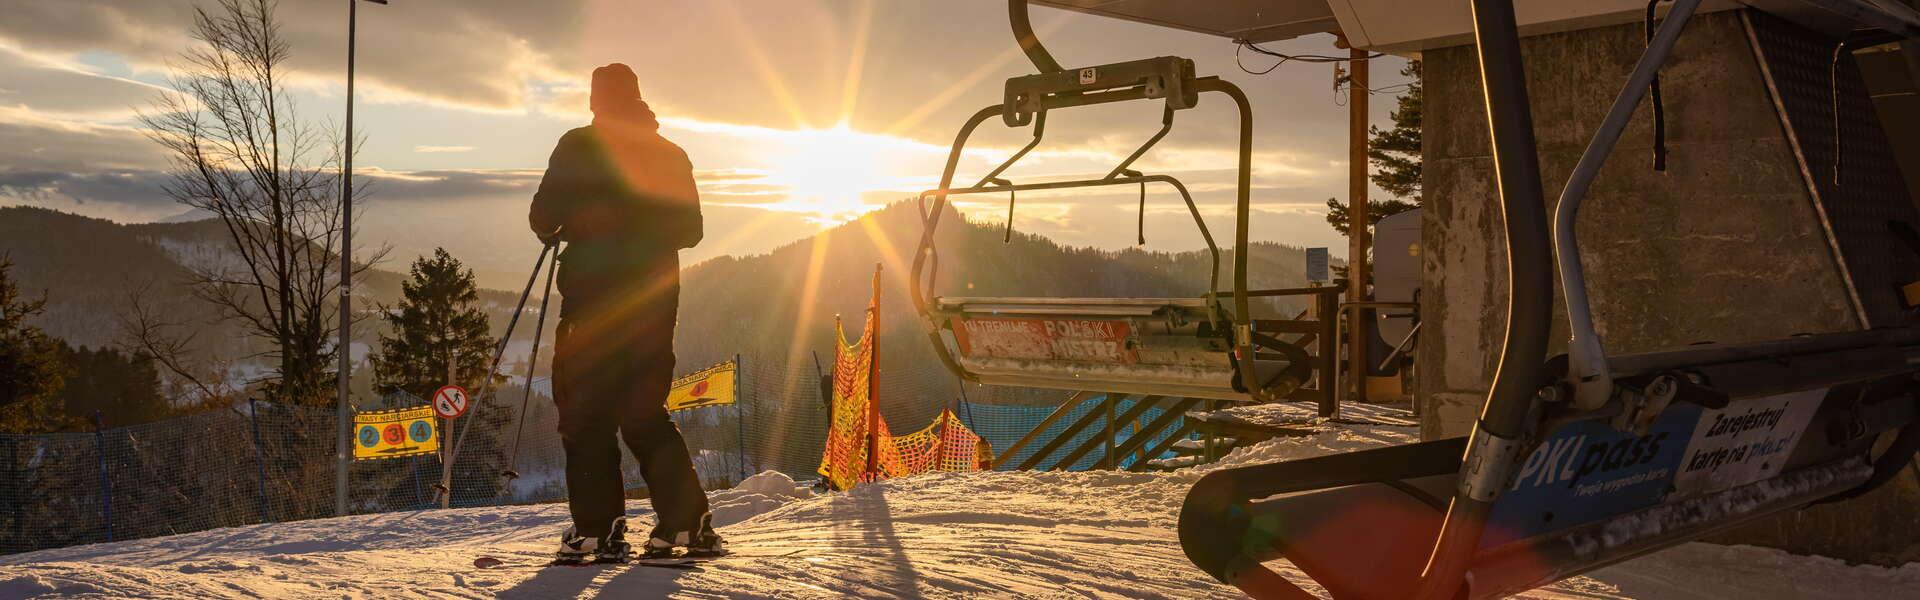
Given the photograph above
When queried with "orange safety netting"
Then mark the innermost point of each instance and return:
(944, 445)
(857, 428)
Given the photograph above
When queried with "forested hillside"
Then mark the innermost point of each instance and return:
(776, 308)
(763, 306)
(88, 268)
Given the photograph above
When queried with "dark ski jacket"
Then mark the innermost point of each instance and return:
(620, 195)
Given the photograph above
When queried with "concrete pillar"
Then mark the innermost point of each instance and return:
(1727, 245)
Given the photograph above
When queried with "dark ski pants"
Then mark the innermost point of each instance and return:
(613, 362)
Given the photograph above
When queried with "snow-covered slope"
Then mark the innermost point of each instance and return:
(1008, 534)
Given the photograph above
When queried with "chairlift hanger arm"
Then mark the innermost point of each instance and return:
(1039, 131)
(1029, 42)
(1166, 125)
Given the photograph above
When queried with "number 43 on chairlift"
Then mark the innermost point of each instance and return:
(450, 401)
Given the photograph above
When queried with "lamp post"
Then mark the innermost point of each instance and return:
(343, 451)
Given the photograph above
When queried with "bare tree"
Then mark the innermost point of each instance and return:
(241, 152)
(150, 332)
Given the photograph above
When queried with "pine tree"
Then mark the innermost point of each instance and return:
(31, 370)
(436, 324)
(125, 390)
(1395, 156)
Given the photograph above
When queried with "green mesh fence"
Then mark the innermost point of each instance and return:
(259, 462)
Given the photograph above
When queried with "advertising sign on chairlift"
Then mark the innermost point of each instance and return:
(1086, 340)
(450, 401)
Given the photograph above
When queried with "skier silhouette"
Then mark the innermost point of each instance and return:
(622, 197)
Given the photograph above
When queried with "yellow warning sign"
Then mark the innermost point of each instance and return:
(394, 433)
(712, 386)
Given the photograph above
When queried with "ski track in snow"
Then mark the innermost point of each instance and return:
(960, 535)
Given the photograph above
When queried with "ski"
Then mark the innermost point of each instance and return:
(678, 561)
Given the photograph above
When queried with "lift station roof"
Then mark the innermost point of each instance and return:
(1404, 27)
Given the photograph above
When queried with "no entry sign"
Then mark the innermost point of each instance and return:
(450, 401)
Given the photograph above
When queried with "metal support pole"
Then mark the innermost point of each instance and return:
(1326, 305)
(1523, 351)
(343, 412)
(106, 483)
(446, 461)
(260, 457)
(1358, 330)
(1206, 440)
(873, 385)
(17, 482)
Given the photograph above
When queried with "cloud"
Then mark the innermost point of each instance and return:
(746, 86)
(450, 184)
(38, 141)
(62, 89)
(476, 53)
(121, 195)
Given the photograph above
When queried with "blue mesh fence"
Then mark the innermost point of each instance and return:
(258, 462)
(1003, 425)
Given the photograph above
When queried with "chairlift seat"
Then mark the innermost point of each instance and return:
(1360, 541)
(1158, 346)
(1785, 423)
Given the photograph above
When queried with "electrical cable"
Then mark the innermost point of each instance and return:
(1308, 58)
(1659, 107)
(1833, 94)
(1239, 61)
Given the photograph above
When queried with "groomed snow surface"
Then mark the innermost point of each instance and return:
(1002, 534)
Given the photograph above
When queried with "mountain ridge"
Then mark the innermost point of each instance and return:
(775, 307)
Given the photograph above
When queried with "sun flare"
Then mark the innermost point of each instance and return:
(827, 172)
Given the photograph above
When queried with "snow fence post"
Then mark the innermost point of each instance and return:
(740, 414)
(259, 456)
(106, 489)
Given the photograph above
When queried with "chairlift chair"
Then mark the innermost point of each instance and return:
(1210, 346)
(1583, 460)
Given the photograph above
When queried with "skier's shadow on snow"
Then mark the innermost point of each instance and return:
(867, 507)
(572, 582)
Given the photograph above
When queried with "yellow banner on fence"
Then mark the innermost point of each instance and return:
(394, 433)
(712, 386)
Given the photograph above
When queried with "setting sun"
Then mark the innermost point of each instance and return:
(825, 172)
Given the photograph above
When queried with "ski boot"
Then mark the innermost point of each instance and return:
(576, 549)
(700, 543)
(656, 547)
(614, 548)
(706, 543)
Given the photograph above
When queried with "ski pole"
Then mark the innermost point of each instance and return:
(533, 361)
(499, 351)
